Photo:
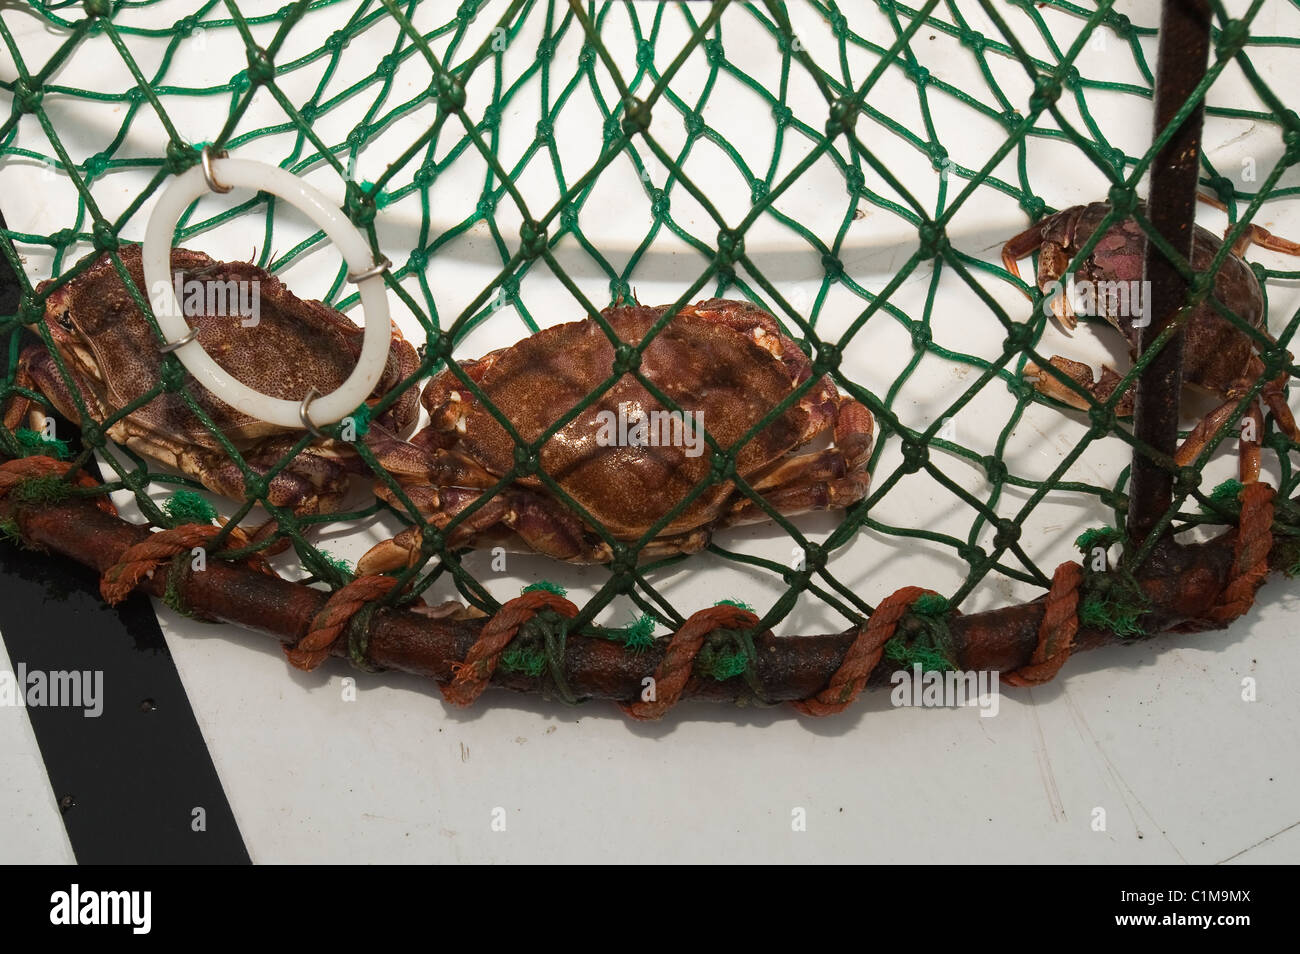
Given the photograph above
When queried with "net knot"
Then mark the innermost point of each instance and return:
(1019, 337)
(863, 655)
(472, 675)
(104, 238)
(1047, 90)
(676, 668)
(1057, 630)
(731, 246)
(28, 95)
(1232, 37)
(328, 625)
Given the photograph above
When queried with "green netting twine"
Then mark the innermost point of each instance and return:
(638, 636)
(1103, 537)
(719, 661)
(736, 603)
(186, 506)
(922, 637)
(546, 586)
(1114, 601)
(32, 443)
(46, 489)
(833, 133)
(1227, 495)
(529, 660)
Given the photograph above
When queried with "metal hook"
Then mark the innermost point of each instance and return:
(304, 413)
(207, 157)
(378, 268)
(171, 346)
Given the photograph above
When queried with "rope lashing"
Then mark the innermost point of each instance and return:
(473, 674)
(864, 654)
(1056, 632)
(675, 670)
(14, 474)
(139, 562)
(328, 625)
(1249, 553)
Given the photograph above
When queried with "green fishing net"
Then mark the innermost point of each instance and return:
(852, 168)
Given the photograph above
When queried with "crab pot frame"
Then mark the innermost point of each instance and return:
(1178, 587)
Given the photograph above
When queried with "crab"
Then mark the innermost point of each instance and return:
(726, 364)
(113, 358)
(1218, 357)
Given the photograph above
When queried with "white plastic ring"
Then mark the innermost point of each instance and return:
(248, 174)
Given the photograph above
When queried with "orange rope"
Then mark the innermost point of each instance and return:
(326, 627)
(1056, 632)
(863, 656)
(674, 671)
(139, 561)
(1249, 553)
(472, 676)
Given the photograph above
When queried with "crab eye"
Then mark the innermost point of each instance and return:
(65, 321)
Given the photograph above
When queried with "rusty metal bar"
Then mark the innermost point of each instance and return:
(1183, 55)
(1183, 586)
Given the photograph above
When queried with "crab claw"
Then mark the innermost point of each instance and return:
(1081, 374)
(1063, 312)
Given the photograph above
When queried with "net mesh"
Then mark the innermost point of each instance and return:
(856, 98)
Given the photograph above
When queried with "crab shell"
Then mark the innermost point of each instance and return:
(112, 355)
(726, 364)
(1215, 353)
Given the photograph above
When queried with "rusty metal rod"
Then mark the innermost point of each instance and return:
(1182, 583)
(1183, 54)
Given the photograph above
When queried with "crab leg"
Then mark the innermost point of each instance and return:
(1254, 234)
(1018, 247)
(821, 480)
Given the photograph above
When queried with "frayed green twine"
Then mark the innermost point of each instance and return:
(528, 660)
(638, 636)
(930, 604)
(1226, 495)
(930, 660)
(719, 662)
(342, 566)
(32, 444)
(46, 489)
(1103, 537)
(379, 197)
(736, 603)
(728, 653)
(1114, 601)
(546, 585)
(922, 637)
(185, 506)
(325, 566)
(9, 531)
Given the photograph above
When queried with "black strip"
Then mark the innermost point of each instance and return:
(128, 781)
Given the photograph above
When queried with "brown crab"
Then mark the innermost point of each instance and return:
(725, 363)
(1217, 356)
(112, 355)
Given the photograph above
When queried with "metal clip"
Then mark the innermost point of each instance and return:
(304, 414)
(378, 268)
(171, 346)
(208, 156)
